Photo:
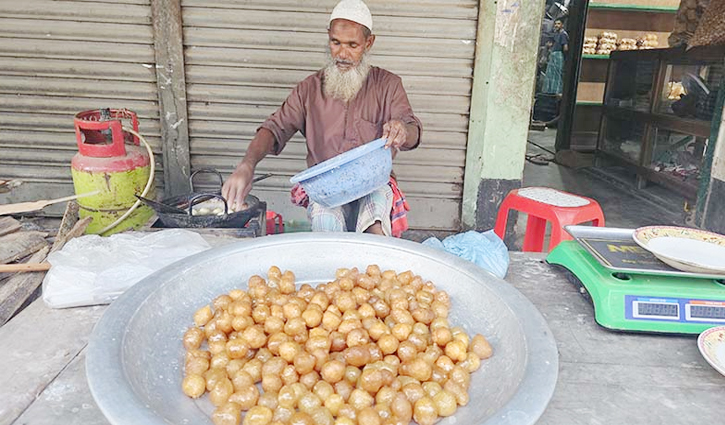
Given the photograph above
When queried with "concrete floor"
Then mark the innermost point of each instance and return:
(624, 206)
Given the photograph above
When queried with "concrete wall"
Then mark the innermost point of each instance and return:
(504, 77)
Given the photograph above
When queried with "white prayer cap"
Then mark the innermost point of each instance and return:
(353, 10)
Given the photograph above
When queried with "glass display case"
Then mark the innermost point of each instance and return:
(632, 85)
(659, 105)
(690, 90)
(624, 138)
(677, 156)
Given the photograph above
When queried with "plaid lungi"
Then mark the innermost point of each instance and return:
(553, 82)
(357, 215)
(398, 212)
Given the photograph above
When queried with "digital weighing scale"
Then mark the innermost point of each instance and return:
(632, 290)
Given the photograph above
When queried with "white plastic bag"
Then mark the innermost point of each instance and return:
(485, 249)
(93, 270)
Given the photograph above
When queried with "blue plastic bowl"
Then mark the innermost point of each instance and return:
(348, 176)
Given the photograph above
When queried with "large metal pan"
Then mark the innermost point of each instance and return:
(135, 355)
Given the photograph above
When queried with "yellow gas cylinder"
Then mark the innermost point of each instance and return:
(111, 161)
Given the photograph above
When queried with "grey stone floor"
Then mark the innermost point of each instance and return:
(623, 205)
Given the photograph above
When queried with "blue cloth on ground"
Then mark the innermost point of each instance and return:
(485, 249)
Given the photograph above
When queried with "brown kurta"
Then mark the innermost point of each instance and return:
(332, 126)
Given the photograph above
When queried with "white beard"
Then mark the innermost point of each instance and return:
(344, 85)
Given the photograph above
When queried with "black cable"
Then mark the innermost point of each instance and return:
(541, 147)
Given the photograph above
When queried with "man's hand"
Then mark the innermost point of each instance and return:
(238, 186)
(396, 134)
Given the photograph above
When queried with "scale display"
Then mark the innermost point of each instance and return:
(674, 309)
(706, 312)
(655, 310)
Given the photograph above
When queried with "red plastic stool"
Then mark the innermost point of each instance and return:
(274, 223)
(544, 204)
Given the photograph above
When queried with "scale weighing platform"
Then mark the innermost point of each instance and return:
(632, 290)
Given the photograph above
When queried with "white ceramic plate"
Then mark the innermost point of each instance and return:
(691, 250)
(711, 344)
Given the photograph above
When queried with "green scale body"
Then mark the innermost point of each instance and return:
(643, 302)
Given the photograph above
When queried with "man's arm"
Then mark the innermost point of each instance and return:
(403, 131)
(239, 184)
(271, 137)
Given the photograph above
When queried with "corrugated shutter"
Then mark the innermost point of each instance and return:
(61, 57)
(243, 57)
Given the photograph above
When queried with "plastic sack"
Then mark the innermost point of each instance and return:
(485, 249)
(93, 270)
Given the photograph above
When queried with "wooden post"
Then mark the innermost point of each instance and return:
(18, 245)
(8, 225)
(19, 287)
(23, 288)
(171, 82)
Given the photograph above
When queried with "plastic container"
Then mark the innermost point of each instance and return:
(275, 223)
(348, 176)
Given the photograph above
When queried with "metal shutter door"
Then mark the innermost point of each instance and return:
(61, 57)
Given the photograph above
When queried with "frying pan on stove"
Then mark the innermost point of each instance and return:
(177, 211)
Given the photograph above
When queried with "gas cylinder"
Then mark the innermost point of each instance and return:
(110, 161)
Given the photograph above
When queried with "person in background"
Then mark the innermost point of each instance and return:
(553, 83)
(344, 105)
(543, 61)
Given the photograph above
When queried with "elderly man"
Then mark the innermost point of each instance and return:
(344, 105)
